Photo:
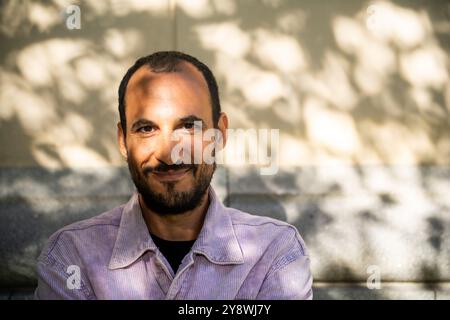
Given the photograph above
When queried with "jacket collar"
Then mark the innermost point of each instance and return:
(217, 240)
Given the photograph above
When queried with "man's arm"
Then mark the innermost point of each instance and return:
(292, 281)
(54, 283)
(289, 277)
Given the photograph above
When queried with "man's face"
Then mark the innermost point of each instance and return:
(157, 106)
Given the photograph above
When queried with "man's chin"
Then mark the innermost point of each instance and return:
(161, 186)
(171, 201)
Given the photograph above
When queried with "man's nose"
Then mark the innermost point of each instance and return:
(164, 147)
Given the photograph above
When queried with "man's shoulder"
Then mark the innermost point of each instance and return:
(267, 228)
(109, 218)
(95, 229)
(239, 217)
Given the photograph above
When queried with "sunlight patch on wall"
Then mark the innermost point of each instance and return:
(44, 17)
(332, 82)
(292, 22)
(329, 128)
(196, 8)
(401, 27)
(288, 108)
(17, 99)
(225, 37)
(21, 17)
(80, 155)
(349, 34)
(40, 62)
(90, 73)
(278, 51)
(259, 88)
(226, 7)
(260, 84)
(294, 151)
(398, 144)
(63, 143)
(238, 117)
(425, 67)
(72, 129)
(121, 43)
(123, 8)
(424, 101)
(392, 248)
(375, 60)
(57, 84)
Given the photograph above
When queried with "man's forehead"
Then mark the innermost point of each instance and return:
(144, 78)
(184, 91)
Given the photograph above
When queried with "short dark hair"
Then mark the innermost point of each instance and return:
(167, 61)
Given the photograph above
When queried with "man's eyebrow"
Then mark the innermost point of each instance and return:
(192, 118)
(141, 122)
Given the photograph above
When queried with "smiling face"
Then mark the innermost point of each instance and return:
(157, 106)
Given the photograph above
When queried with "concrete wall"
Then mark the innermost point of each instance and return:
(359, 90)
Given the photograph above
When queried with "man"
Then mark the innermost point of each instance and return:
(174, 239)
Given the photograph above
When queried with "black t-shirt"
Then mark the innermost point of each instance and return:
(174, 251)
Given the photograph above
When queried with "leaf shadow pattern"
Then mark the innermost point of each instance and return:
(63, 115)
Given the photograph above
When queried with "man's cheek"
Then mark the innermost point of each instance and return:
(141, 149)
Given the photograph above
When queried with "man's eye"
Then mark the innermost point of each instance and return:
(197, 125)
(145, 129)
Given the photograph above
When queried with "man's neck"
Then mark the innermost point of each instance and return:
(177, 227)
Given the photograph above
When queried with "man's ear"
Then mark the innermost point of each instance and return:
(222, 125)
(121, 140)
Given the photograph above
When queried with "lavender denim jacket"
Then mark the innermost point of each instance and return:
(236, 256)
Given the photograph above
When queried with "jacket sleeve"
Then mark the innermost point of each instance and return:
(60, 274)
(292, 281)
(289, 277)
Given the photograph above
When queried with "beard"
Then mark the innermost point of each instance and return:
(171, 201)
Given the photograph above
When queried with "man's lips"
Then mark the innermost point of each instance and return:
(170, 175)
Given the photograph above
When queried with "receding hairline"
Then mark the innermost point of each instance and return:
(182, 67)
(167, 62)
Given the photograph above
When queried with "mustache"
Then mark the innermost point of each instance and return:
(162, 167)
